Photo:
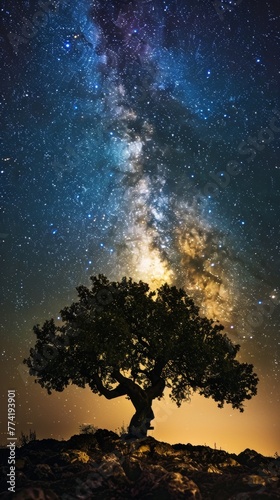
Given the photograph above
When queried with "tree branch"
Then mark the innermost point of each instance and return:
(155, 374)
(156, 390)
(142, 341)
(137, 395)
(120, 390)
(126, 382)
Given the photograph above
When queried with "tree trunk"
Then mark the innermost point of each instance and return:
(141, 400)
(141, 420)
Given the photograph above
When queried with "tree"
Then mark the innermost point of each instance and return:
(122, 339)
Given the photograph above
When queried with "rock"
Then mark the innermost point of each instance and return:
(230, 462)
(144, 448)
(84, 442)
(106, 467)
(44, 472)
(132, 469)
(164, 449)
(21, 479)
(44, 444)
(31, 494)
(105, 439)
(21, 463)
(251, 458)
(155, 483)
(214, 469)
(73, 456)
(253, 480)
(102, 434)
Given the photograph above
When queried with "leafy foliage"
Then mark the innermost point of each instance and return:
(120, 337)
(123, 430)
(27, 438)
(88, 429)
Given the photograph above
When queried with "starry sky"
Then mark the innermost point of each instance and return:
(141, 138)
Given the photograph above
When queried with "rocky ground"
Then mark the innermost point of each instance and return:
(104, 466)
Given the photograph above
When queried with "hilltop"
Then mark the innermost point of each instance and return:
(105, 466)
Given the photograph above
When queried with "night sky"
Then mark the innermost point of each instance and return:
(142, 139)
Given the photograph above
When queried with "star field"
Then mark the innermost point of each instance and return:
(141, 139)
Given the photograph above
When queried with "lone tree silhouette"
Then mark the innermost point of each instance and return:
(122, 339)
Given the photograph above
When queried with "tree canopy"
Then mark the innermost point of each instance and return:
(121, 339)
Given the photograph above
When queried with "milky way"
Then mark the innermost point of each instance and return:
(134, 144)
